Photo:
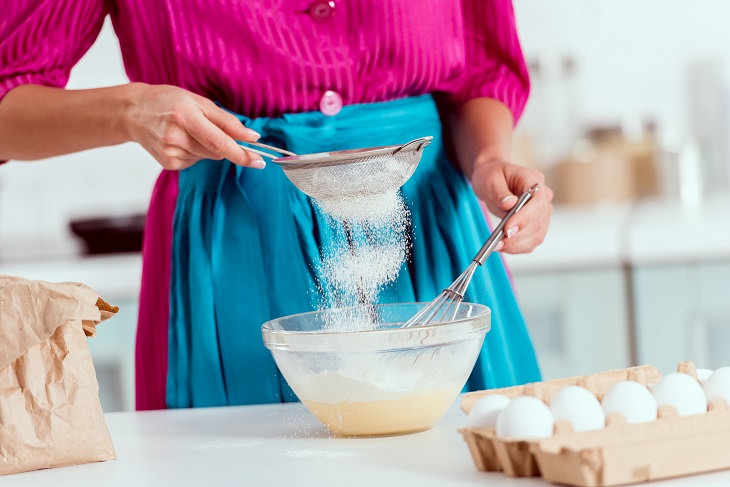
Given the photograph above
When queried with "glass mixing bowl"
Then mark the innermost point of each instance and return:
(381, 380)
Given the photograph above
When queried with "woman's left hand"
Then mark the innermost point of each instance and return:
(499, 184)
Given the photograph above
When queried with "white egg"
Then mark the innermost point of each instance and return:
(703, 374)
(579, 406)
(485, 411)
(632, 400)
(525, 417)
(718, 385)
(682, 392)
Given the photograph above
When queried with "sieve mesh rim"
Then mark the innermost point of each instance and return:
(369, 176)
(349, 156)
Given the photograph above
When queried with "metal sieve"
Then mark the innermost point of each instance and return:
(347, 173)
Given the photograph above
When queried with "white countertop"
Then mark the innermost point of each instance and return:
(280, 445)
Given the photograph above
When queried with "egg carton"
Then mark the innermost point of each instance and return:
(514, 457)
(619, 454)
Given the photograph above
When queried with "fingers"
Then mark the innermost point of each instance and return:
(500, 184)
(229, 124)
(176, 149)
(194, 147)
(216, 140)
(178, 128)
(176, 158)
(528, 227)
(516, 183)
(500, 198)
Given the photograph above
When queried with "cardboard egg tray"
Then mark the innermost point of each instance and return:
(621, 453)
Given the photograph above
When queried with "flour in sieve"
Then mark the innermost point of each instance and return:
(373, 175)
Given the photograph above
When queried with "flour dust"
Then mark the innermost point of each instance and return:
(372, 246)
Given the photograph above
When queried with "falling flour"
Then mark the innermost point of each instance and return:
(372, 246)
(370, 208)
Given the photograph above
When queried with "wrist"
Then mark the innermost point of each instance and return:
(488, 162)
(482, 134)
(127, 100)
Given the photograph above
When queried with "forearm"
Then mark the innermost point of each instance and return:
(38, 122)
(481, 130)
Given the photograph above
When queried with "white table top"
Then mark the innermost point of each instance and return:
(280, 445)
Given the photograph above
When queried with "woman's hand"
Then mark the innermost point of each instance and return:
(178, 128)
(482, 134)
(499, 184)
(174, 125)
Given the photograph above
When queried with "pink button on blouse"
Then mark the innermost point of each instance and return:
(262, 58)
(322, 10)
(331, 103)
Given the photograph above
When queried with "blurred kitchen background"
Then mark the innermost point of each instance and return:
(629, 118)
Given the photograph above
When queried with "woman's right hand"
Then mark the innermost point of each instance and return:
(178, 128)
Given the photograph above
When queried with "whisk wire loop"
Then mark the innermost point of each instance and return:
(445, 306)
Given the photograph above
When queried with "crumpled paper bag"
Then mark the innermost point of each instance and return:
(50, 414)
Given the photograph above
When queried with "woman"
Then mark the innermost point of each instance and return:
(229, 246)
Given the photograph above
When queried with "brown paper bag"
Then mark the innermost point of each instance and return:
(50, 414)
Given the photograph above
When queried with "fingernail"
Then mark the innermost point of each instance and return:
(253, 133)
(508, 198)
(257, 164)
(500, 246)
(512, 231)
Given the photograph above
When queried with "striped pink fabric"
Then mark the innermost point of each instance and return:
(270, 57)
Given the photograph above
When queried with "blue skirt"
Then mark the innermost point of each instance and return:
(247, 243)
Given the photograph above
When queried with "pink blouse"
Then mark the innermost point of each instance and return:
(267, 57)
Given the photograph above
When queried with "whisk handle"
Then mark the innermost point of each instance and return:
(498, 232)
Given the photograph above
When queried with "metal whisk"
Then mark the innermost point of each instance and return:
(445, 306)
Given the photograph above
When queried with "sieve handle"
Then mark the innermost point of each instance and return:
(416, 144)
(498, 232)
(266, 154)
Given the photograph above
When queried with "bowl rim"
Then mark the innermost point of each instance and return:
(373, 340)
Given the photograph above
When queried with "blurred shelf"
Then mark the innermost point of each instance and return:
(579, 237)
(668, 232)
(595, 237)
(114, 276)
(652, 232)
